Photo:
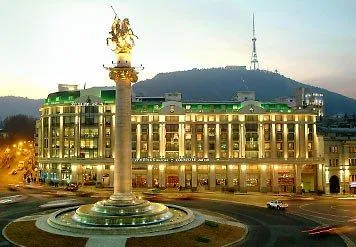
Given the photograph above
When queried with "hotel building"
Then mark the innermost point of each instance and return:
(244, 144)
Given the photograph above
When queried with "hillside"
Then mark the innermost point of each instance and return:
(221, 84)
(206, 85)
(11, 105)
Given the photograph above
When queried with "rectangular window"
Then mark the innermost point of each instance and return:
(333, 149)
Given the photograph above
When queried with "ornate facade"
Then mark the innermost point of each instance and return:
(338, 147)
(249, 145)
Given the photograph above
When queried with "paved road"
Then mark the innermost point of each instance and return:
(266, 227)
(330, 211)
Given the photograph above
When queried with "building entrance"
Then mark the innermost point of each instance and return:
(334, 184)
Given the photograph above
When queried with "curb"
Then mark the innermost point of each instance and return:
(7, 239)
(243, 237)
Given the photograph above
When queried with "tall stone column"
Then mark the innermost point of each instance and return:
(230, 176)
(150, 139)
(123, 76)
(49, 154)
(162, 142)
(206, 148)
(194, 177)
(242, 178)
(138, 141)
(182, 176)
(61, 135)
(285, 139)
(315, 142)
(273, 139)
(242, 141)
(298, 178)
(162, 176)
(229, 139)
(59, 173)
(212, 177)
(74, 173)
(263, 175)
(275, 185)
(217, 140)
(99, 173)
(261, 146)
(320, 185)
(306, 140)
(181, 139)
(149, 176)
(297, 140)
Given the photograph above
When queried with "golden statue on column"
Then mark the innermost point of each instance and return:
(122, 36)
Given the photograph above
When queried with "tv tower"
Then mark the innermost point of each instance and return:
(254, 62)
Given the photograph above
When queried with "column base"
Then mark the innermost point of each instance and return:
(122, 199)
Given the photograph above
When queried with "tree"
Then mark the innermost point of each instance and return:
(20, 127)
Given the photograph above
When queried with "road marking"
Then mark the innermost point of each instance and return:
(319, 217)
(314, 212)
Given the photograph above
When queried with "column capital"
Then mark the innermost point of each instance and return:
(128, 75)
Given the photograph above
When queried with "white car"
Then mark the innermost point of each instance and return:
(277, 204)
(11, 199)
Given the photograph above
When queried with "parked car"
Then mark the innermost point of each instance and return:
(72, 187)
(277, 204)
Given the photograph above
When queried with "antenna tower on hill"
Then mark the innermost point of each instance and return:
(254, 62)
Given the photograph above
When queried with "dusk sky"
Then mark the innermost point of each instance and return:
(46, 42)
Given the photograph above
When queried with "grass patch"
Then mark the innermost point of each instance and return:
(26, 233)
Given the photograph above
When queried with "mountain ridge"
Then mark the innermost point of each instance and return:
(213, 84)
(216, 84)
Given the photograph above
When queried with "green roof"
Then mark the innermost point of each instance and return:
(108, 97)
(66, 97)
(275, 107)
